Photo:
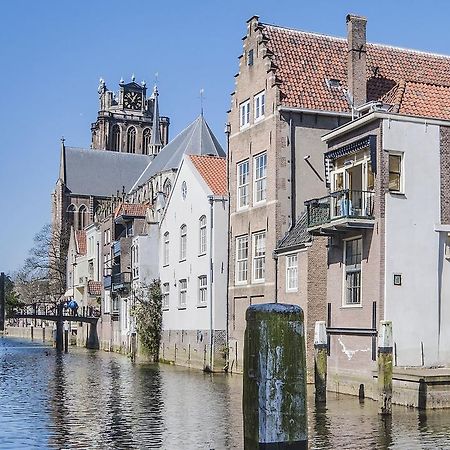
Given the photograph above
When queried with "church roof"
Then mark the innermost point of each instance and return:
(196, 139)
(101, 173)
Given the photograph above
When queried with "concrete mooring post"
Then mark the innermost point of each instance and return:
(385, 367)
(274, 394)
(320, 362)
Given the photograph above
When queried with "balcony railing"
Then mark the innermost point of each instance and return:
(121, 281)
(340, 205)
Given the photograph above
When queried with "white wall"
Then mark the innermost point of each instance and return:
(412, 245)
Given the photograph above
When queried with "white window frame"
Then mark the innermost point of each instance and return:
(260, 178)
(244, 114)
(241, 260)
(258, 257)
(182, 294)
(401, 155)
(243, 184)
(292, 272)
(259, 105)
(107, 302)
(183, 242)
(345, 271)
(165, 296)
(166, 244)
(202, 236)
(202, 290)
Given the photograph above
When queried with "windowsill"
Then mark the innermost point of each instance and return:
(180, 308)
(260, 203)
(165, 265)
(258, 119)
(241, 283)
(202, 254)
(290, 291)
(201, 306)
(182, 260)
(351, 306)
(165, 308)
(242, 208)
(397, 193)
(244, 127)
(258, 281)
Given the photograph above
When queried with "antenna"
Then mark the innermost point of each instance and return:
(202, 98)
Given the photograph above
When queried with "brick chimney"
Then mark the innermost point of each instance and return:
(356, 59)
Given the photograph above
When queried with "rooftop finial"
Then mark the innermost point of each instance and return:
(121, 80)
(144, 83)
(202, 97)
(133, 78)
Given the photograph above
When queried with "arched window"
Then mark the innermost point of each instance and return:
(71, 211)
(202, 237)
(166, 249)
(82, 217)
(115, 138)
(183, 242)
(146, 141)
(167, 188)
(131, 140)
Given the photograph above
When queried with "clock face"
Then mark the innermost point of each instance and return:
(132, 100)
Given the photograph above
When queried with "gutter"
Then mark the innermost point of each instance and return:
(314, 111)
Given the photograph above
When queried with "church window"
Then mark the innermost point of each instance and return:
(82, 214)
(116, 138)
(71, 210)
(167, 188)
(131, 140)
(146, 141)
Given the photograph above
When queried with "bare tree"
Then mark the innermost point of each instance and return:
(42, 279)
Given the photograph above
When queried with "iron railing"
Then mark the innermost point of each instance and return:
(338, 205)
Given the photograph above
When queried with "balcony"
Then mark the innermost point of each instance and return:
(340, 211)
(121, 281)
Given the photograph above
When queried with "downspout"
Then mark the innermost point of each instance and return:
(211, 339)
(292, 174)
(227, 133)
(275, 257)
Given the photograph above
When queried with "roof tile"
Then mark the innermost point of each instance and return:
(213, 170)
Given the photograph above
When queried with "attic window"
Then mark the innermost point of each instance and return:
(250, 58)
(333, 83)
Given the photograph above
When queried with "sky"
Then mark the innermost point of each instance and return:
(53, 53)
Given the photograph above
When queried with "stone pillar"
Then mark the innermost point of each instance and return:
(385, 367)
(274, 394)
(320, 362)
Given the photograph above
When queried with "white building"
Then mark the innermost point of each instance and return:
(193, 264)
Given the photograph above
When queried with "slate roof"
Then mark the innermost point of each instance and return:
(80, 236)
(101, 173)
(296, 236)
(196, 139)
(213, 170)
(303, 62)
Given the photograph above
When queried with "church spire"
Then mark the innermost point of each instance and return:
(62, 163)
(155, 140)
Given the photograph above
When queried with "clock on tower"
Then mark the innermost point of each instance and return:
(132, 100)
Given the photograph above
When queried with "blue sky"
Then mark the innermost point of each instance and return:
(53, 53)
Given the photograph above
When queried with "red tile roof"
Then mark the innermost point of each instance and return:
(95, 287)
(131, 210)
(213, 170)
(303, 61)
(80, 237)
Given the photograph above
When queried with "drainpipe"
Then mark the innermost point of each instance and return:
(292, 174)
(211, 328)
(228, 133)
(275, 257)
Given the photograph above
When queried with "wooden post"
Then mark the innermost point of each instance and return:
(32, 331)
(274, 394)
(2, 301)
(66, 337)
(320, 362)
(59, 327)
(385, 367)
(43, 331)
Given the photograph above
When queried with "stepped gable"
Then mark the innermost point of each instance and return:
(101, 173)
(303, 64)
(213, 170)
(196, 139)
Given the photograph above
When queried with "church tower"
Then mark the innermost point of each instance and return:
(129, 121)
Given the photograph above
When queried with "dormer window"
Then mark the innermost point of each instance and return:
(333, 83)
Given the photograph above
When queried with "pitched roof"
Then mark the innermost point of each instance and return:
(130, 210)
(100, 172)
(80, 237)
(196, 139)
(296, 236)
(95, 287)
(213, 170)
(303, 62)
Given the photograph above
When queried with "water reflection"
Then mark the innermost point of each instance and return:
(100, 400)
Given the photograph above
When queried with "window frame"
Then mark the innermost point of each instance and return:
(165, 296)
(259, 103)
(346, 271)
(202, 291)
(244, 114)
(239, 261)
(243, 186)
(182, 293)
(166, 249)
(400, 174)
(262, 179)
(291, 268)
(202, 237)
(256, 259)
(183, 242)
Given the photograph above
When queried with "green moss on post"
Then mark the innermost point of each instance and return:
(274, 397)
(385, 367)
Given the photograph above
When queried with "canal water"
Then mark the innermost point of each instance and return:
(89, 399)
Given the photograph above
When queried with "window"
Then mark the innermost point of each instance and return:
(260, 105)
(241, 259)
(71, 211)
(259, 256)
(107, 302)
(146, 141)
(115, 141)
(260, 178)
(244, 113)
(82, 213)
(352, 258)
(165, 295)
(183, 242)
(167, 188)
(183, 293)
(242, 181)
(250, 58)
(131, 140)
(395, 172)
(202, 290)
(202, 237)
(291, 273)
(166, 249)
(135, 260)
(107, 236)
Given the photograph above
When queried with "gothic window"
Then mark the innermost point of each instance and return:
(146, 141)
(71, 211)
(131, 140)
(115, 138)
(82, 217)
(166, 189)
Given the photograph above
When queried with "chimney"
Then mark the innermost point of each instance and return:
(356, 59)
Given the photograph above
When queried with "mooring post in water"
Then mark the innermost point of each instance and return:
(59, 327)
(320, 361)
(2, 301)
(43, 331)
(274, 394)
(66, 337)
(385, 367)
(32, 331)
